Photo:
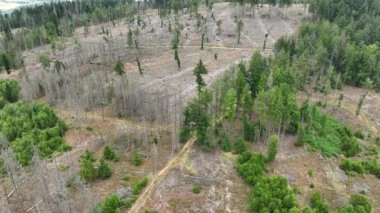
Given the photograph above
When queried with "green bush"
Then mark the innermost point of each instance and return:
(360, 203)
(197, 189)
(87, 155)
(350, 147)
(372, 167)
(184, 135)
(251, 167)
(104, 171)
(109, 154)
(316, 202)
(272, 194)
(112, 204)
(137, 187)
(248, 131)
(87, 170)
(32, 124)
(350, 165)
(136, 158)
(9, 91)
(225, 144)
(240, 146)
(300, 136)
(273, 148)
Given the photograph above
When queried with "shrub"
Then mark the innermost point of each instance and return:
(360, 202)
(226, 144)
(251, 169)
(109, 154)
(87, 155)
(137, 187)
(317, 203)
(244, 157)
(372, 167)
(87, 170)
(32, 124)
(272, 194)
(136, 158)
(350, 147)
(197, 189)
(349, 165)
(300, 136)
(273, 148)
(248, 131)
(104, 171)
(112, 204)
(9, 91)
(240, 146)
(184, 135)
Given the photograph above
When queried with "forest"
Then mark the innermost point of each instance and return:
(187, 105)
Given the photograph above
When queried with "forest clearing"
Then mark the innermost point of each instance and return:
(190, 106)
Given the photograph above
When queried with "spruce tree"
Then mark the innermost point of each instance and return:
(273, 148)
(104, 171)
(119, 67)
(200, 70)
(108, 153)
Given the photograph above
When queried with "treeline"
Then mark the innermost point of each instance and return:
(339, 46)
(53, 12)
(29, 128)
(32, 26)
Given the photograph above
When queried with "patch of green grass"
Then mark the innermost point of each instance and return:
(324, 133)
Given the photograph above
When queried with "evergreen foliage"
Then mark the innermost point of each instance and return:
(87, 170)
(273, 148)
(9, 92)
(119, 67)
(104, 171)
(109, 154)
(272, 194)
(136, 159)
(28, 125)
(318, 204)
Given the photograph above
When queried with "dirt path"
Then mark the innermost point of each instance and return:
(144, 196)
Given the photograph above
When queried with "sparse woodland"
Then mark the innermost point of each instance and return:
(101, 102)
